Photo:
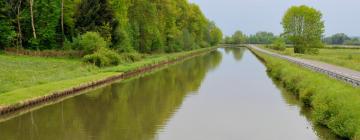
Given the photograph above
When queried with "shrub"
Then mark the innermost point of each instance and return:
(103, 57)
(130, 57)
(278, 44)
(90, 42)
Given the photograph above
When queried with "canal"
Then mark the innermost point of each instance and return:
(225, 94)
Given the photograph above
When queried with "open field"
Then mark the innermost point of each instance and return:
(335, 104)
(349, 58)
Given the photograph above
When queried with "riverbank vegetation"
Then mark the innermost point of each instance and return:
(16, 90)
(349, 58)
(66, 40)
(105, 29)
(334, 103)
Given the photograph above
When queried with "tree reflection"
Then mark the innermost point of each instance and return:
(133, 109)
(237, 52)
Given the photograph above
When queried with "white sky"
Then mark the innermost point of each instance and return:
(251, 16)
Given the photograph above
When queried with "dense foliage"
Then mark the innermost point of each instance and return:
(261, 38)
(278, 44)
(341, 39)
(237, 38)
(144, 26)
(304, 27)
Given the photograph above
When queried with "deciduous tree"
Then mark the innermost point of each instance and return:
(304, 27)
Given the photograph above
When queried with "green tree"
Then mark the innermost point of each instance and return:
(238, 38)
(339, 38)
(7, 33)
(215, 34)
(304, 27)
(261, 38)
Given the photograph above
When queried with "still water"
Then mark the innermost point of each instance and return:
(224, 95)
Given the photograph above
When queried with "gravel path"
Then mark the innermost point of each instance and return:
(340, 73)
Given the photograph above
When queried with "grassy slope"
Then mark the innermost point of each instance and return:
(23, 71)
(334, 103)
(349, 58)
(31, 77)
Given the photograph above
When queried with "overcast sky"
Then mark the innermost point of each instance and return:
(251, 16)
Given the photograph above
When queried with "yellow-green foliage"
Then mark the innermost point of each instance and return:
(334, 103)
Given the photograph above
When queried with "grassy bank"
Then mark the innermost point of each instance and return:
(39, 77)
(334, 104)
(349, 58)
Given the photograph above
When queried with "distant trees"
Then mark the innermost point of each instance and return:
(261, 37)
(342, 39)
(237, 38)
(304, 27)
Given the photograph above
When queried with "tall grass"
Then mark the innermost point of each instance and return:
(349, 58)
(334, 103)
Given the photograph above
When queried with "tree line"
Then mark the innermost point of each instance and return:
(144, 26)
(342, 39)
(303, 28)
(261, 37)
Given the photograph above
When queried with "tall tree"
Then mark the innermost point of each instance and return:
(304, 27)
(31, 2)
(7, 33)
(238, 37)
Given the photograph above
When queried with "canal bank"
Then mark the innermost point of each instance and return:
(225, 94)
(334, 104)
(25, 99)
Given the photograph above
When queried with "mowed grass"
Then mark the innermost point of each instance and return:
(334, 103)
(23, 71)
(349, 58)
(23, 78)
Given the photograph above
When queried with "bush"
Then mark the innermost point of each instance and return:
(278, 44)
(90, 42)
(103, 57)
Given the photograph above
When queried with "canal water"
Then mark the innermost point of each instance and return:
(224, 95)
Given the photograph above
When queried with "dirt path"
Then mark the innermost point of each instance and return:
(340, 73)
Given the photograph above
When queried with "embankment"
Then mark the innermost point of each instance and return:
(26, 98)
(334, 104)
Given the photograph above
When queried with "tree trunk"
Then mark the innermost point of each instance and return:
(62, 24)
(19, 24)
(32, 18)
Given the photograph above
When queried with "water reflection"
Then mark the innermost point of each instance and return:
(237, 53)
(292, 100)
(131, 110)
(233, 98)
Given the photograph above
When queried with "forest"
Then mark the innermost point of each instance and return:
(105, 28)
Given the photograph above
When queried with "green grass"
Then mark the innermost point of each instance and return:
(23, 77)
(16, 96)
(334, 103)
(349, 58)
(23, 71)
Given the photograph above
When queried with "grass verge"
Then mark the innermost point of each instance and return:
(349, 58)
(35, 90)
(335, 104)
